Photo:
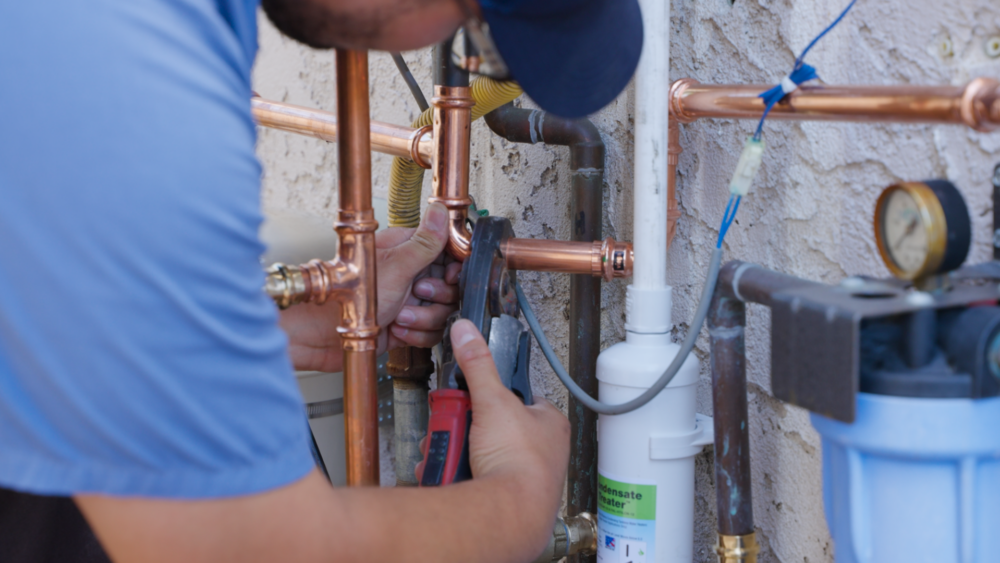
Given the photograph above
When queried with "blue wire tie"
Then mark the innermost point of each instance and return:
(801, 73)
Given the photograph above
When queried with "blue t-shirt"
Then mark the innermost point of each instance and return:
(138, 353)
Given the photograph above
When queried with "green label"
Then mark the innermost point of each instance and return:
(626, 500)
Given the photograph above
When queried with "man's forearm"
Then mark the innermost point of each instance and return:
(308, 522)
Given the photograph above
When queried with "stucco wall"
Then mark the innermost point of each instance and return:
(809, 213)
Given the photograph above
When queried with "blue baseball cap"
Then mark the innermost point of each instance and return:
(572, 57)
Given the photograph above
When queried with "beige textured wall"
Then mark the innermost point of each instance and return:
(808, 214)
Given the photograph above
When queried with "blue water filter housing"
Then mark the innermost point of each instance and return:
(913, 480)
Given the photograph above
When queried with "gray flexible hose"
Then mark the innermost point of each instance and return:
(664, 380)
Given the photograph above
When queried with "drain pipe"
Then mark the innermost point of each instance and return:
(646, 457)
(586, 164)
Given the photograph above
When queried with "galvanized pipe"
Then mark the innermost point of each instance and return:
(410, 369)
(586, 151)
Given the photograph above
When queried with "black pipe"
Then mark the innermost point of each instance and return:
(738, 283)
(446, 72)
(586, 153)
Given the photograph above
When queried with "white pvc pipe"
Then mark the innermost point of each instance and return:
(648, 302)
(645, 458)
(652, 82)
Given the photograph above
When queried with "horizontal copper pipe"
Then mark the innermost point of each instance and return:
(607, 258)
(976, 105)
(395, 140)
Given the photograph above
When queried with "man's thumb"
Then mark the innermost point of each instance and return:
(426, 244)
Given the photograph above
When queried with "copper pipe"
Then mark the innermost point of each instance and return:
(415, 144)
(361, 404)
(356, 227)
(674, 151)
(450, 184)
(976, 105)
(607, 258)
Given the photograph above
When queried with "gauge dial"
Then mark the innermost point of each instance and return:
(922, 228)
(905, 232)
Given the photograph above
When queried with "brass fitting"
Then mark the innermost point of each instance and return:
(285, 284)
(571, 536)
(313, 282)
(738, 549)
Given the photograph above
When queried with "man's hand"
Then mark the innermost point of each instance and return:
(417, 291)
(525, 448)
(503, 515)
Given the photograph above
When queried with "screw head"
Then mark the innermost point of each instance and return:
(992, 47)
(945, 47)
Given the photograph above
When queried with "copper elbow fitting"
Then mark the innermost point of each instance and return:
(737, 549)
(980, 106)
(452, 129)
(675, 97)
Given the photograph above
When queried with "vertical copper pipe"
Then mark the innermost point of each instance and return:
(452, 131)
(674, 151)
(356, 228)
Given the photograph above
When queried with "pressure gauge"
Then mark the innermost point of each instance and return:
(922, 228)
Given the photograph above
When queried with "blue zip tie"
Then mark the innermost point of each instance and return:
(801, 73)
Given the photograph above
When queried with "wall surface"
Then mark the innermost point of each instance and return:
(809, 213)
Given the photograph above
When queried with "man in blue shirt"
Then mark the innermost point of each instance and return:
(144, 373)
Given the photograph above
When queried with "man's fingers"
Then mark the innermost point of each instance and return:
(418, 338)
(431, 317)
(473, 356)
(426, 244)
(436, 290)
(452, 272)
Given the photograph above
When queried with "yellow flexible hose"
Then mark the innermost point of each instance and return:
(407, 177)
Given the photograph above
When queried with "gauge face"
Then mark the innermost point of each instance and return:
(904, 231)
(922, 228)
